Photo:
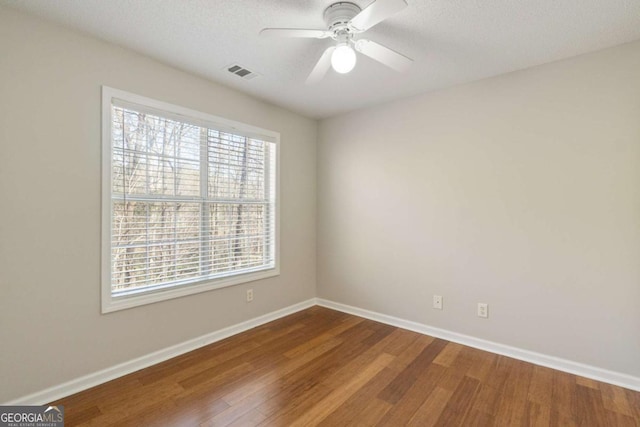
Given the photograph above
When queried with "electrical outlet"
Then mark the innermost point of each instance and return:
(437, 302)
(249, 295)
(483, 310)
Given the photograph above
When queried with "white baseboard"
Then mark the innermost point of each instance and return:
(599, 374)
(79, 384)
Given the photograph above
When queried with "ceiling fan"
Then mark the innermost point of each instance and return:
(344, 21)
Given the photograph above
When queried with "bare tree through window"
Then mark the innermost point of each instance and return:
(188, 202)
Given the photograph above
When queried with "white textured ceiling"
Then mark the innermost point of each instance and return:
(451, 41)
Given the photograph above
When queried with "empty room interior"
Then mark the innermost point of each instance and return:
(299, 213)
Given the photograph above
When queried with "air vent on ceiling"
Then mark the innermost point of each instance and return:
(241, 72)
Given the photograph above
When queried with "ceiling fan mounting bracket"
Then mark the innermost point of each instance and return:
(338, 15)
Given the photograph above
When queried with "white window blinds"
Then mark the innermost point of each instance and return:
(190, 201)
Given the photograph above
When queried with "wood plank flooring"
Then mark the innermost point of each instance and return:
(322, 367)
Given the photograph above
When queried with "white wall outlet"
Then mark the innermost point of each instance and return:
(437, 302)
(249, 295)
(483, 310)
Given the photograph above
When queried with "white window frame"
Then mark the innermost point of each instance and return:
(111, 303)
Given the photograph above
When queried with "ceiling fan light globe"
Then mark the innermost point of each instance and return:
(343, 59)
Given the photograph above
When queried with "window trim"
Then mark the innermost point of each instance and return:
(110, 303)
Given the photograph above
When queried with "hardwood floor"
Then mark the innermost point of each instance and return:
(322, 367)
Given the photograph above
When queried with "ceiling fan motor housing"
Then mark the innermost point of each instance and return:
(338, 15)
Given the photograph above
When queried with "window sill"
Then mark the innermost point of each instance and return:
(111, 303)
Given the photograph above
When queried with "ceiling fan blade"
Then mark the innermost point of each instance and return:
(376, 12)
(322, 66)
(294, 32)
(388, 57)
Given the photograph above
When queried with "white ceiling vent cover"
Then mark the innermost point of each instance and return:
(241, 72)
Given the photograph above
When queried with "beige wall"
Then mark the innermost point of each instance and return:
(521, 191)
(51, 329)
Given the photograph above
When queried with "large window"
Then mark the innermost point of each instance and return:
(189, 201)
